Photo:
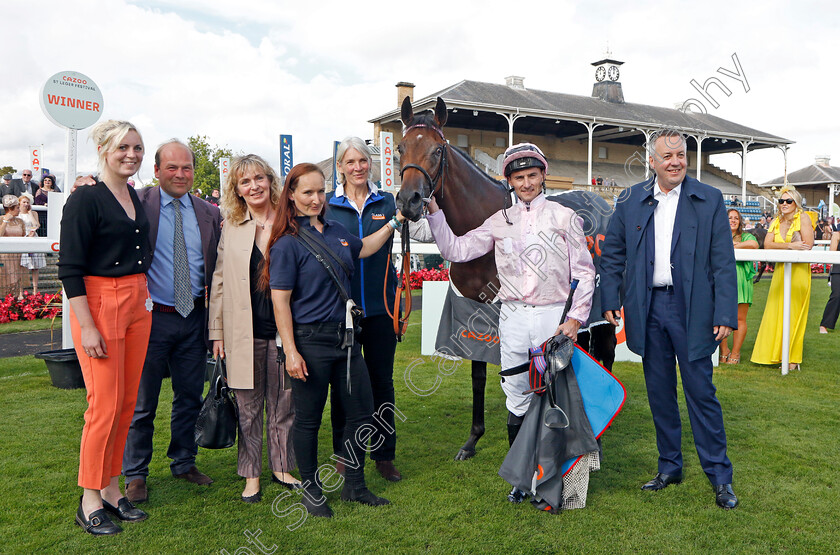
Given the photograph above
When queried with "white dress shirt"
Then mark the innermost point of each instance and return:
(664, 217)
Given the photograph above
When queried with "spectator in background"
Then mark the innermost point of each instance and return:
(11, 226)
(9, 187)
(792, 230)
(29, 186)
(599, 181)
(762, 223)
(745, 269)
(31, 261)
(47, 186)
(832, 307)
(214, 197)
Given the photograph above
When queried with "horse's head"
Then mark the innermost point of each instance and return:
(422, 158)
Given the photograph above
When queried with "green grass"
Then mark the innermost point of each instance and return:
(782, 441)
(31, 325)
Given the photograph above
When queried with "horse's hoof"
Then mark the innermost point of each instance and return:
(465, 454)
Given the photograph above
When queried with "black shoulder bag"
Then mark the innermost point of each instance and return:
(353, 314)
(218, 418)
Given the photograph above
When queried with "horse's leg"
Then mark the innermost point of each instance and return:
(479, 379)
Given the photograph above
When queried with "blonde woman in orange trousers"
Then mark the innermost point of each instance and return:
(102, 264)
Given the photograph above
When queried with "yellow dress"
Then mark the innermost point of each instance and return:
(768, 343)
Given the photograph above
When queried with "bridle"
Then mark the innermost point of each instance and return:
(435, 184)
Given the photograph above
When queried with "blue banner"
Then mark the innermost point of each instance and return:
(286, 160)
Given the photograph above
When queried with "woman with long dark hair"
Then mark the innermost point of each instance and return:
(740, 240)
(311, 318)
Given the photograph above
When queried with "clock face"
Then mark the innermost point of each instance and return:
(600, 74)
(613, 73)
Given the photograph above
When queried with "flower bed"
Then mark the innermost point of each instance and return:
(417, 278)
(30, 307)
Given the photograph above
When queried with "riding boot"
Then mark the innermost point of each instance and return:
(514, 423)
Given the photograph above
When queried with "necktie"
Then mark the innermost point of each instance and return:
(183, 295)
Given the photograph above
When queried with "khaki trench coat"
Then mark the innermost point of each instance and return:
(230, 315)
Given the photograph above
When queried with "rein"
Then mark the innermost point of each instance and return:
(435, 186)
(403, 287)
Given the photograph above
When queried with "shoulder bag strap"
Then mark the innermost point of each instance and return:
(316, 240)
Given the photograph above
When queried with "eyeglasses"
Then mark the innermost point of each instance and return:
(27, 175)
(786, 201)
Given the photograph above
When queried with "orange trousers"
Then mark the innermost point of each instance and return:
(118, 307)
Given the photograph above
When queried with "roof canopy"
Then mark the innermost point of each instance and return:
(478, 105)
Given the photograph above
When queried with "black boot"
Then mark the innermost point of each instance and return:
(514, 423)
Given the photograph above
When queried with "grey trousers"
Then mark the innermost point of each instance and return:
(270, 383)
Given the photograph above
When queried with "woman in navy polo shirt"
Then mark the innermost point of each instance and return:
(363, 209)
(310, 317)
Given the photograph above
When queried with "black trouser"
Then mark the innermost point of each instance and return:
(832, 307)
(379, 342)
(326, 364)
(176, 346)
(599, 341)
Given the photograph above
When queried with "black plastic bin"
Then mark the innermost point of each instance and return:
(64, 369)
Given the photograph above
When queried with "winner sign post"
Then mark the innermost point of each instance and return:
(73, 101)
(386, 161)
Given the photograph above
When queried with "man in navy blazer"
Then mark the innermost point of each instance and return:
(669, 245)
(177, 344)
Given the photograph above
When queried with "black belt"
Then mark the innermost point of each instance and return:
(665, 289)
(157, 307)
(319, 326)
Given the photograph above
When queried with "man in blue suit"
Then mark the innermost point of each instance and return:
(669, 245)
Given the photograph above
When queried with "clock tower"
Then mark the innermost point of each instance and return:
(607, 86)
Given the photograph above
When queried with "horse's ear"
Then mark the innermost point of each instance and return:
(440, 112)
(406, 111)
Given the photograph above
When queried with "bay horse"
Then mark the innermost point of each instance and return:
(467, 196)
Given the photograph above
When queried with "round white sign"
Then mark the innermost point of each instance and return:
(72, 100)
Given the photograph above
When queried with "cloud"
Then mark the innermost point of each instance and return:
(242, 74)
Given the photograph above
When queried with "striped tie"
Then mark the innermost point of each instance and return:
(183, 295)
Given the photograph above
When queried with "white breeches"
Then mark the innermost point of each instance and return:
(522, 327)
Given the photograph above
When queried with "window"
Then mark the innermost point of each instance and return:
(463, 141)
(501, 142)
(602, 152)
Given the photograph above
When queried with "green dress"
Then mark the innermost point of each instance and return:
(746, 272)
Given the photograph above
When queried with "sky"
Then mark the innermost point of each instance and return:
(242, 73)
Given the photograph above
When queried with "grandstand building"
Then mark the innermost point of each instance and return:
(583, 137)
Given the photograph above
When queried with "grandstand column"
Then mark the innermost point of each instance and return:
(699, 141)
(511, 118)
(744, 148)
(590, 127)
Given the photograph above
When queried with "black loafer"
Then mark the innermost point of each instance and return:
(363, 496)
(256, 498)
(125, 510)
(725, 497)
(99, 523)
(516, 495)
(287, 485)
(662, 481)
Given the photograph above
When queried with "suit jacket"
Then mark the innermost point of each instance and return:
(209, 225)
(701, 254)
(230, 316)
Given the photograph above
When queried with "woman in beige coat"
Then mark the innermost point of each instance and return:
(242, 325)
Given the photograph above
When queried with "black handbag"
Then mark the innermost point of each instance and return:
(218, 418)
